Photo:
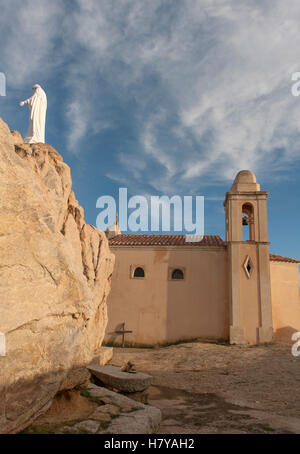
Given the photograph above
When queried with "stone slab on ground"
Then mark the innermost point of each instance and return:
(135, 418)
(113, 377)
(90, 426)
(110, 397)
(144, 421)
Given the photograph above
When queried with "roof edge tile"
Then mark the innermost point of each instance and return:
(280, 258)
(164, 240)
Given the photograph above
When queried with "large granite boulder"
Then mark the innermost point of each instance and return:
(55, 274)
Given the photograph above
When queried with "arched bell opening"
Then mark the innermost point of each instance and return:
(248, 222)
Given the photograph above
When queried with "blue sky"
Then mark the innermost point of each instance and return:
(164, 97)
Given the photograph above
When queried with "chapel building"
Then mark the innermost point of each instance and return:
(166, 290)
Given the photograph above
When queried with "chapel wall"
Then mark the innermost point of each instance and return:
(199, 306)
(160, 310)
(140, 303)
(285, 300)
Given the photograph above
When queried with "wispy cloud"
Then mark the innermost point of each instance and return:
(29, 29)
(205, 83)
(221, 77)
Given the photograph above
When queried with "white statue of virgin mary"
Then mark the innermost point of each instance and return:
(37, 106)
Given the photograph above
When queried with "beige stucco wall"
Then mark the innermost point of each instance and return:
(255, 317)
(285, 300)
(249, 296)
(159, 310)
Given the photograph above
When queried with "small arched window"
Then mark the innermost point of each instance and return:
(139, 272)
(177, 274)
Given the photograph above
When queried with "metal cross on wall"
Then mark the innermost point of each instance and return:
(123, 332)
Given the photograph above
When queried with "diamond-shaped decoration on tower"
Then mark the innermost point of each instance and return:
(248, 267)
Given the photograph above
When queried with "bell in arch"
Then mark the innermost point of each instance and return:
(245, 220)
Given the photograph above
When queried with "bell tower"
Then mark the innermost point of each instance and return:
(249, 261)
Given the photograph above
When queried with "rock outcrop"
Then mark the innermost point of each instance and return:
(55, 273)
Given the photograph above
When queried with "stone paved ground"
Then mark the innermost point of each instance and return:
(210, 388)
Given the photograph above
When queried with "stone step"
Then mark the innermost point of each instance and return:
(114, 378)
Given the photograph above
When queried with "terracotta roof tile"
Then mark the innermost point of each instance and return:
(179, 240)
(279, 258)
(163, 240)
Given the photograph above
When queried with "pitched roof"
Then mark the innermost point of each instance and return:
(279, 258)
(179, 240)
(164, 240)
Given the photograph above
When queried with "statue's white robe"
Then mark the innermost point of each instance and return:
(38, 106)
